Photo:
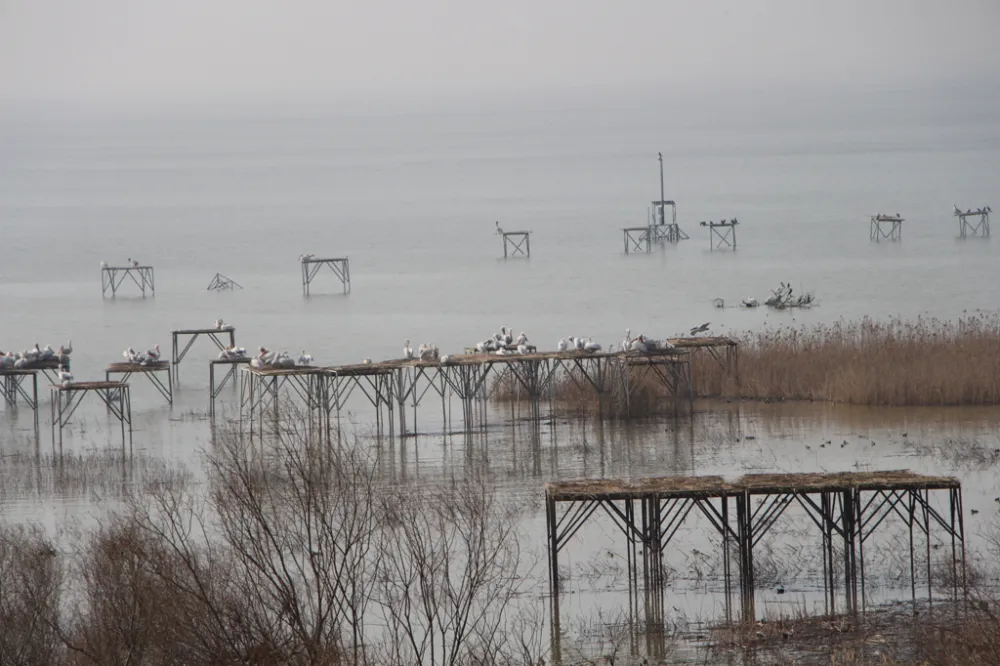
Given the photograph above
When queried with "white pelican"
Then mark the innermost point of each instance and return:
(523, 349)
(628, 339)
(67, 350)
(130, 355)
(36, 351)
(256, 362)
(639, 345)
(508, 338)
(521, 339)
(501, 352)
(562, 346)
(581, 343)
(304, 359)
(480, 347)
(48, 352)
(428, 352)
(366, 361)
(218, 322)
(591, 346)
(65, 376)
(445, 358)
(700, 329)
(104, 265)
(407, 350)
(154, 353)
(20, 363)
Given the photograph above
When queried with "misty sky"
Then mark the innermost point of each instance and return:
(117, 50)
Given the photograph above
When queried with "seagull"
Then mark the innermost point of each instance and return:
(562, 346)
(700, 329)
(65, 376)
(407, 350)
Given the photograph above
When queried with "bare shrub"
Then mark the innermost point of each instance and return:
(451, 564)
(30, 592)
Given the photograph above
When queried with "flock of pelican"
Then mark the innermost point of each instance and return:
(142, 358)
(266, 358)
(27, 358)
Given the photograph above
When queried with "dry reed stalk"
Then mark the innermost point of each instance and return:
(927, 361)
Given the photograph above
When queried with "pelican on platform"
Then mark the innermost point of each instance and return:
(65, 376)
(154, 353)
(304, 359)
(521, 339)
(407, 350)
(591, 346)
(67, 350)
(563, 345)
(130, 355)
(219, 323)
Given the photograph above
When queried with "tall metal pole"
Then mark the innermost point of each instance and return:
(663, 215)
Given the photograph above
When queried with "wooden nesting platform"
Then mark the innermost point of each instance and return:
(717, 486)
(13, 386)
(848, 508)
(149, 370)
(115, 396)
(218, 336)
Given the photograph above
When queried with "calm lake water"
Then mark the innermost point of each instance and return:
(412, 199)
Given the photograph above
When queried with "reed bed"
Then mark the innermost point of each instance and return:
(897, 362)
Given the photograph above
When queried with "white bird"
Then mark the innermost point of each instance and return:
(562, 346)
(65, 376)
(581, 343)
(47, 352)
(521, 339)
(446, 358)
(501, 352)
(154, 353)
(104, 264)
(366, 361)
(626, 343)
(700, 329)
(67, 350)
(429, 353)
(591, 346)
(523, 349)
(218, 322)
(20, 363)
(407, 350)
(639, 345)
(481, 347)
(130, 355)
(304, 359)
(508, 338)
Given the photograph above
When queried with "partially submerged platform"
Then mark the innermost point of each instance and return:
(14, 380)
(218, 336)
(848, 508)
(115, 396)
(886, 227)
(341, 267)
(721, 234)
(215, 389)
(112, 278)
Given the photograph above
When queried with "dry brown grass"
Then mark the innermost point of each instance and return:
(893, 363)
